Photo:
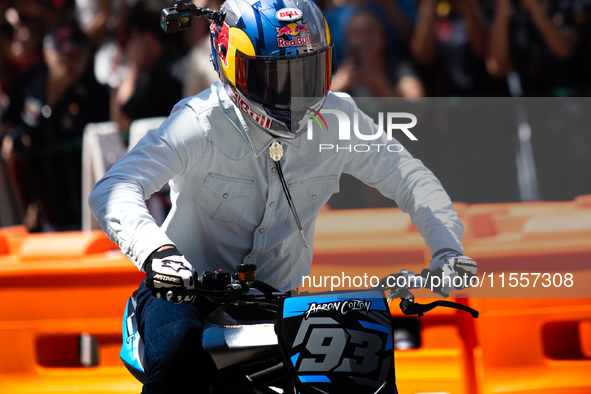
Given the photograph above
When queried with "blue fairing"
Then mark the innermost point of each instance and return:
(132, 349)
(338, 342)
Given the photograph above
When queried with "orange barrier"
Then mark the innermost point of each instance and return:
(533, 345)
(51, 294)
(52, 297)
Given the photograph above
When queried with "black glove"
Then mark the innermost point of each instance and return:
(169, 269)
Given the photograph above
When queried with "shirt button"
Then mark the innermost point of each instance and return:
(271, 204)
(249, 257)
(273, 169)
(225, 195)
(261, 230)
(314, 196)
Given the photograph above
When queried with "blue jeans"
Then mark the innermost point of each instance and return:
(174, 358)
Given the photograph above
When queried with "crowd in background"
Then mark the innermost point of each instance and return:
(67, 63)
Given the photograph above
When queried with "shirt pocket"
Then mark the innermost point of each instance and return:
(309, 196)
(223, 198)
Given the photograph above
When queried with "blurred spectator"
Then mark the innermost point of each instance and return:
(44, 124)
(450, 42)
(152, 84)
(537, 39)
(371, 68)
(29, 21)
(337, 14)
(6, 67)
(400, 15)
(397, 17)
(104, 23)
(22, 27)
(96, 18)
(200, 72)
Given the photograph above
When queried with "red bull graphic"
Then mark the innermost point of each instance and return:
(301, 28)
(294, 30)
(284, 31)
(261, 119)
(222, 42)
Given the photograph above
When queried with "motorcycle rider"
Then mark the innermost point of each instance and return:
(231, 200)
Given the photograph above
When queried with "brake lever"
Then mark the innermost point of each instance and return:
(409, 307)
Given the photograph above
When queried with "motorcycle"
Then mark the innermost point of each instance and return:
(269, 341)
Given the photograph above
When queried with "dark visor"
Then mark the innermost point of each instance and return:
(275, 82)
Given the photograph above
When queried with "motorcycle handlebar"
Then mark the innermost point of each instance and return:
(223, 288)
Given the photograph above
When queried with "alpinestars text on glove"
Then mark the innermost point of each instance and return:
(168, 269)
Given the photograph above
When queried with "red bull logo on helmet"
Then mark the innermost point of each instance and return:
(293, 30)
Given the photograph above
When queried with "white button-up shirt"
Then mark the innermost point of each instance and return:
(228, 206)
